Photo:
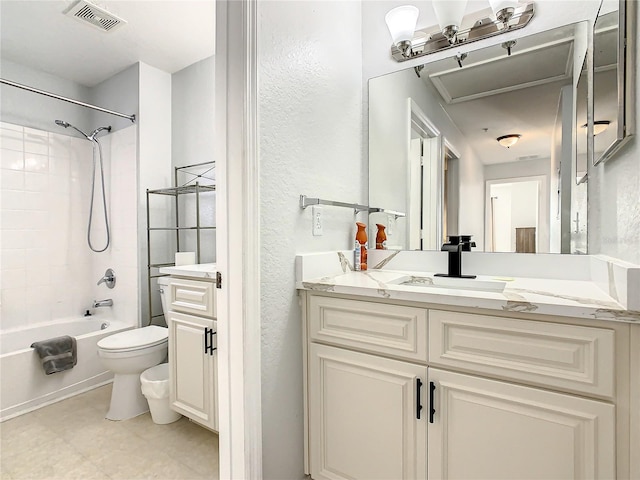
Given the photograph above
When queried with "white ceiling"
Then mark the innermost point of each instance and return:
(167, 34)
(495, 94)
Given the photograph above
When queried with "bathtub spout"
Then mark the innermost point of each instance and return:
(103, 303)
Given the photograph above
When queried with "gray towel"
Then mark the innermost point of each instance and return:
(57, 354)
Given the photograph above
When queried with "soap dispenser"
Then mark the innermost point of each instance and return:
(360, 248)
(381, 237)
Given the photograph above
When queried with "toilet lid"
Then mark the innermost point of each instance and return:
(135, 339)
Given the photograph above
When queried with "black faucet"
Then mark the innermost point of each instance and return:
(457, 244)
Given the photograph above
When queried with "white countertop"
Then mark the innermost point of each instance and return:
(571, 298)
(203, 270)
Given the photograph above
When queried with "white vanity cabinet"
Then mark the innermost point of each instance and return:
(193, 350)
(404, 392)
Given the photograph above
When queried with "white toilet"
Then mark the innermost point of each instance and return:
(127, 354)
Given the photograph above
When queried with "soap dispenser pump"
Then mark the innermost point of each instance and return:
(360, 248)
(381, 237)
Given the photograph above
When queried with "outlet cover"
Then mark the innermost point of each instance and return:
(316, 214)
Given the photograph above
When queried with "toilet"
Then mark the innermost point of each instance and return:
(127, 354)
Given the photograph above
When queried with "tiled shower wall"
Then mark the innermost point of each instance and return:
(48, 271)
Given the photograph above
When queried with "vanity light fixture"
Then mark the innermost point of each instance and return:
(401, 22)
(449, 14)
(509, 140)
(409, 43)
(599, 126)
(503, 10)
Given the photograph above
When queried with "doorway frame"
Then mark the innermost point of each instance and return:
(542, 194)
(238, 240)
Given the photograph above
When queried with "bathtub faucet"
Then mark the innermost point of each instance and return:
(103, 303)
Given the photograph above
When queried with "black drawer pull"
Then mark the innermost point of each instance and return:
(418, 404)
(432, 410)
(207, 337)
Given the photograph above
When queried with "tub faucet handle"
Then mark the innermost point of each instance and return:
(109, 278)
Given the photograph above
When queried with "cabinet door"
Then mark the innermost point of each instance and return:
(193, 376)
(363, 416)
(485, 429)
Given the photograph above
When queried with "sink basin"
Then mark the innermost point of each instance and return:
(482, 284)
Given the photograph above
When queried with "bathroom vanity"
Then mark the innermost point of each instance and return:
(192, 342)
(414, 381)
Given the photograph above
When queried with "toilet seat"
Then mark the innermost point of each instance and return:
(136, 339)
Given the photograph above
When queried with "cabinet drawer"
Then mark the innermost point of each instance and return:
(569, 357)
(191, 296)
(374, 327)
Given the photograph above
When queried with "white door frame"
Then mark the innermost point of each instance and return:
(238, 240)
(542, 193)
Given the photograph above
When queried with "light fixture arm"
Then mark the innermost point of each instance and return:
(433, 40)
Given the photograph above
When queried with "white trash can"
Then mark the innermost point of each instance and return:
(155, 386)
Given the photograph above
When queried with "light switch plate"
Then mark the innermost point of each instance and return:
(316, 215)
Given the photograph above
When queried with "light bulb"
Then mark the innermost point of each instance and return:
(401, 22)
(449, 14)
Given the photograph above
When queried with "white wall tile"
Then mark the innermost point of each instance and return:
(36, 200)
(45, 202)
(34, 162)
(12, 200)
(14, 278)
(59, 145)
(11, 139)
(12, 179)
(14, 303)
(12, 239)
(14, 220)
(36, 182)
(11, 126)
(12, 159)
(14, 258)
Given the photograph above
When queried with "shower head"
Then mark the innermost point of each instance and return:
(62, 123)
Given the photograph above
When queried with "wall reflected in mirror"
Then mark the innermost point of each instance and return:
(613, 118)
(434, 154)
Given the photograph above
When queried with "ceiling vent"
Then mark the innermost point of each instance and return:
(97, 17)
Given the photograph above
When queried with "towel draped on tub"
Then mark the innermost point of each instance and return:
(57, 354)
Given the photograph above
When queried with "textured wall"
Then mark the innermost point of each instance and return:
(614, 198)
(310, 92)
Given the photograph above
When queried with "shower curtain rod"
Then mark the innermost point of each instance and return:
(65, 99)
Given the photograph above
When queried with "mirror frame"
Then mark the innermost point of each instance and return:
(625, 81)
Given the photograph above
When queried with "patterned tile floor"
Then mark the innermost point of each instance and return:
(72, 440)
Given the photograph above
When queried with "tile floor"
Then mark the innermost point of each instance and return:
(72, 440)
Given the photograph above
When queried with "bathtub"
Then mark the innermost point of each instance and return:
(23, 383)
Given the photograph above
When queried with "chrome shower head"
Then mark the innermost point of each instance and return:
(67, 124)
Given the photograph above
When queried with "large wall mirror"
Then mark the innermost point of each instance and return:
(434, 152)
(613, 85)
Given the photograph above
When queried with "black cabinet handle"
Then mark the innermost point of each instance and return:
(211, 347)
(418, 404)
(208, 341)
(432, 411)
(207, 338)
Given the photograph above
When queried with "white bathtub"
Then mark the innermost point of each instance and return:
(23, 383)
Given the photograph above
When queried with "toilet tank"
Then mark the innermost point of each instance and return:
(163, 284)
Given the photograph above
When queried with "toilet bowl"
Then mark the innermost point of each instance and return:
(127, 354)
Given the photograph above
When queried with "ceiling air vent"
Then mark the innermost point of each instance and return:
(97, 17)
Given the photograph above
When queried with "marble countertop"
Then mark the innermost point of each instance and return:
(571, 298)
(203, 270)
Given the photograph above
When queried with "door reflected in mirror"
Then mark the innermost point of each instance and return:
(434, 154)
